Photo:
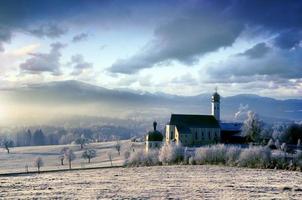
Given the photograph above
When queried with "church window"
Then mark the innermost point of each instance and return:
(196, 136)
(209, 134)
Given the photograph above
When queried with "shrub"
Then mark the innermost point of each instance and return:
(255, 157)
(171, 154)
(142, 158)
(211, 154)
(278, 160)
(232, 155)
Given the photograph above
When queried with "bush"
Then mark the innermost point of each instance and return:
(142, 158)
(171, 154)
(255, 157)
(232, 155)
(211, 154)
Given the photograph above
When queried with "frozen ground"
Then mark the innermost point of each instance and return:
(161, 182)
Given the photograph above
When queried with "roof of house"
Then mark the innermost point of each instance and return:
(193, 121)
(231, 126)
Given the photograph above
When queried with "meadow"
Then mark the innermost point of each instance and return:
(156, 182)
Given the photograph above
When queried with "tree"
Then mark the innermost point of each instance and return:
(109, 154)
(81, 141)
(252, 127)
(38, 137)
(27, 138)
(62, 154)
(7, 143)
(118, 147)
(39, 163)
(70, 156)
(89, 154)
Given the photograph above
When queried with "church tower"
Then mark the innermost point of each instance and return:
(216, 105)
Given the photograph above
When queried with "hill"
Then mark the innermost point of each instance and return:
(73, 98)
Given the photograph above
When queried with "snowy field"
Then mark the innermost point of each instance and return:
(161, 182)
(22, 156)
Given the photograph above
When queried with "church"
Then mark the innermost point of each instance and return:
(195, 130)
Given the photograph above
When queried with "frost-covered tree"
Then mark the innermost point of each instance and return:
(62, 154)
(89, 154)
(7, 144)
(118, 147)
(110, 155)
(277, 144)
(39, 137)
(38, 163)
(283, 147)
(70, 156)
(252, 127)
(82, 141)
(271, 144)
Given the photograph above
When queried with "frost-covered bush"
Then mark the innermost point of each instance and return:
(215, 154)
(171, 154)
(255, 157)
(232, 155)
(278, 160)
(142, 158)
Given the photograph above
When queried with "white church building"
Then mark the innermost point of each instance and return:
(195, 130)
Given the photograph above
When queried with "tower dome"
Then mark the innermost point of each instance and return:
(216, 105)
(154, 135)
(215, 97)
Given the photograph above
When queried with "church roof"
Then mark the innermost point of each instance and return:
(193, 121)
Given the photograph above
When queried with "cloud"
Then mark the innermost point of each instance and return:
(80, 37)
(183, 39)
(48, 30)
(257, 51)
(277, 64)
(289, 39)
(79, 64)
(44, 62)
(204, 27)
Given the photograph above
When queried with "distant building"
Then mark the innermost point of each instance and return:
(154, 139)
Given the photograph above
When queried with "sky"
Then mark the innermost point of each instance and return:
(176, 47)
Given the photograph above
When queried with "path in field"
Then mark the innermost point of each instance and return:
(174, 182)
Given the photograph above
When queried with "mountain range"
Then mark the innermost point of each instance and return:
(74, 97)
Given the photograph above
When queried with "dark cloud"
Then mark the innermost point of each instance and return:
(79, 64)
(289, 39)
(257, 51)
(44, 62)
(48, 30)
(283, 64)
(205, 26)
(80, 37)
(183, 40)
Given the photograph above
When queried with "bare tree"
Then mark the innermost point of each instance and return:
(62, 154)
(109, 154)
(7, 143)
(39, 163)
(70, 156)
(118, 147)
(89, 154)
